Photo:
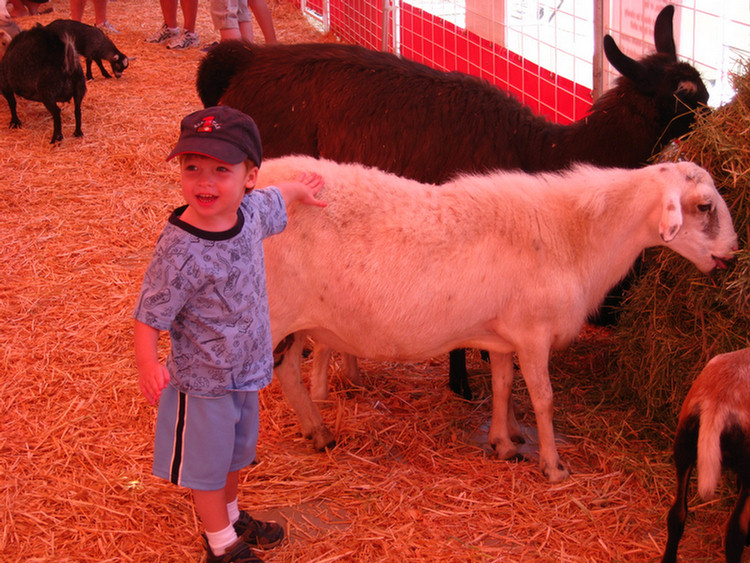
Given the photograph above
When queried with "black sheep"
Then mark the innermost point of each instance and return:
(351, 104)
(40, 66)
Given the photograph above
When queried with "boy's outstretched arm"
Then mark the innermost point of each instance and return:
(152, 375)
(303, 190)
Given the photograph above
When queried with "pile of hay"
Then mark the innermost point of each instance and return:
(676, 318)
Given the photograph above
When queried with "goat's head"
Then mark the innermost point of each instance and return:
(675, 87)
(119, 63)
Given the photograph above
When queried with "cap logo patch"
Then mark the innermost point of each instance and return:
(207, 125)
(219, 132)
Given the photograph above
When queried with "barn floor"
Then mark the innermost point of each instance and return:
(409, 479)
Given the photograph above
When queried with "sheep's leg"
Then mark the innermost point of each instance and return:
(684, 455)
(319, 372)
(289, 372)
(535, 371)
(504, 423)
(351, 370)
(737, 527)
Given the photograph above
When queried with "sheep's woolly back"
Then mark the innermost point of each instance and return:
(538, 250)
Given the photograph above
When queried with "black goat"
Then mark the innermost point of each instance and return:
(351, 104)
(92, 43)
(40, 66)
(714, 432)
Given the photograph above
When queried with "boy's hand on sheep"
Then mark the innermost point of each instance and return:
(303, 190)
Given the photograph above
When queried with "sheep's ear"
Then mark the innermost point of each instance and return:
(671, 216)
(628, 67)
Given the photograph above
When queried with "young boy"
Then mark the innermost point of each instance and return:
(206, 286)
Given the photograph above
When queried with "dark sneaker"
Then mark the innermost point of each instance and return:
(240, 552)
(264, 535)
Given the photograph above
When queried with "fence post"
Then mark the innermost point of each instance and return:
(386, 27)
(598, 62)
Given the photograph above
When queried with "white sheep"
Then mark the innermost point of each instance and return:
(507, 262)
(713, 431)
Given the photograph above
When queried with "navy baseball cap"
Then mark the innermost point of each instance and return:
(222, 133)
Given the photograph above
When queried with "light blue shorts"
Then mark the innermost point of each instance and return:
(199, 440)
(228, 14)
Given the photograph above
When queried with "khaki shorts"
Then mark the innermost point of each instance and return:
(229, 14)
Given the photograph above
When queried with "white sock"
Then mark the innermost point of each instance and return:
(221, 540)
(233, 510)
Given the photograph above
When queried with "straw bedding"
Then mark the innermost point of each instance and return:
(409, 480)
(676, 318)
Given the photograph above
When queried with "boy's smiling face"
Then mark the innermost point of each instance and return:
(213, 191)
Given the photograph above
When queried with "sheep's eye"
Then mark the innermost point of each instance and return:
(704, 207)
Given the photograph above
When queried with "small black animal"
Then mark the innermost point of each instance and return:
(42, 67)
(92, 43)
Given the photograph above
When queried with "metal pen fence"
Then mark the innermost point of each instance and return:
(546, 52)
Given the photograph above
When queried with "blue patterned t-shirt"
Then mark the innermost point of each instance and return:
(209, 291)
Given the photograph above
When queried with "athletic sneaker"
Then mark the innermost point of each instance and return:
(185, 40)
(238, 553)
(164, 34)
(264, 535)
(107, 27)
(208, 46)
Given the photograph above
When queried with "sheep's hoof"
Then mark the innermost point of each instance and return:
(14, 124)
(78, 133)
(504, 451)
(559, 473)
(322, 438)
